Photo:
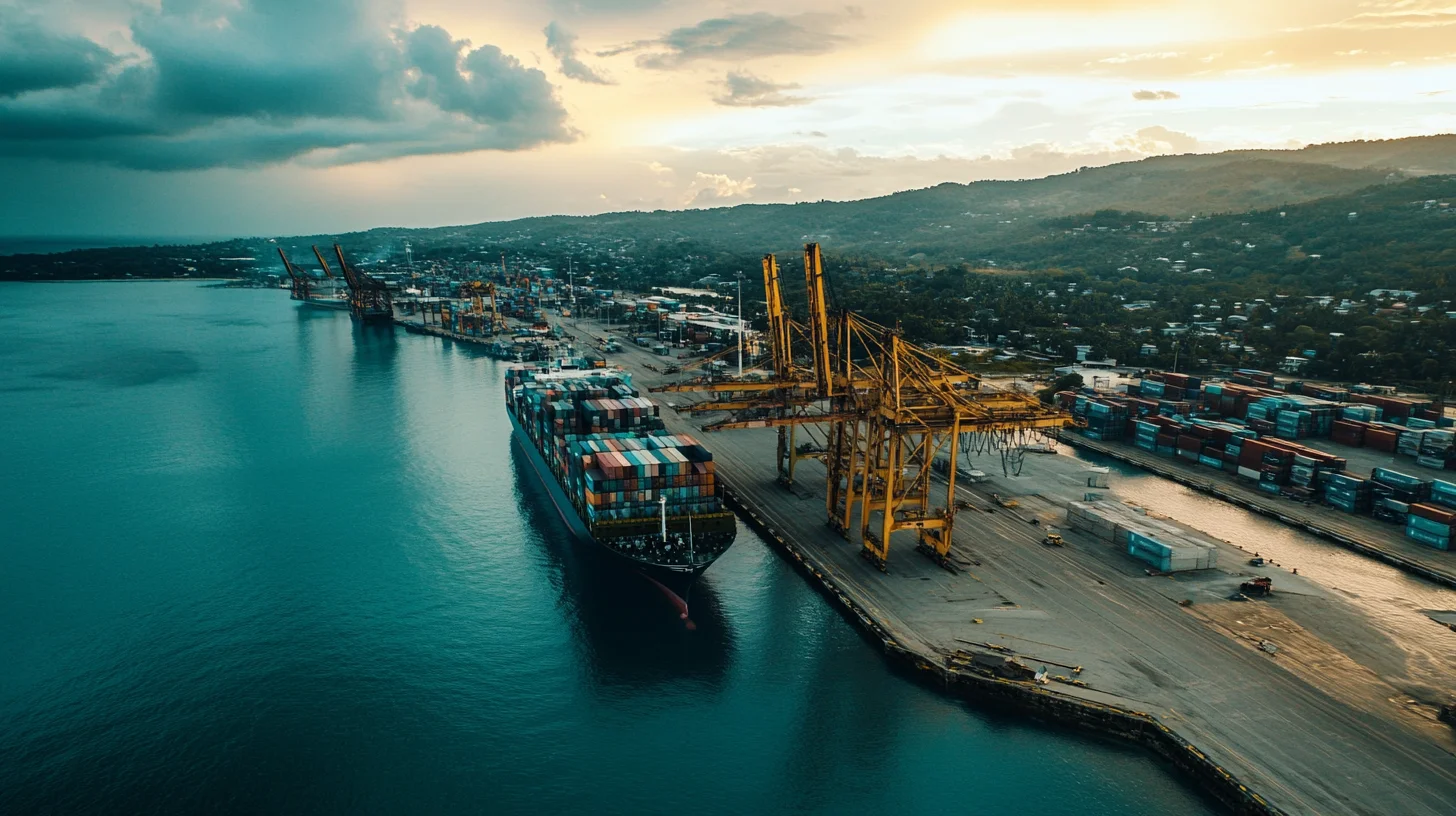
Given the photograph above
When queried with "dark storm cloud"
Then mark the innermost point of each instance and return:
(1153, 96)
(34, 59)
(741, 37)
(562, 45)
(269, 58)
(744, 90)
(487, 85)
(255, 82)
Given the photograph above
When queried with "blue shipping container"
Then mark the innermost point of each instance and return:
(1429, 539)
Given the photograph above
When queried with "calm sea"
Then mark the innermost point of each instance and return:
(256, 559)
(46, 244)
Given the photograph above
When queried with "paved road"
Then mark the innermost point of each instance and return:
(1302, 749)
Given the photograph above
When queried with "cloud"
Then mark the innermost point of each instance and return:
(1124, 57)
(249, 82)
(712, 188)
(1158, 139)
(604, 6)
(34, 59)
(1153, 96)
(744, 90)
(742, 37)
(1405, 14)
(788, 172)
(562, 45)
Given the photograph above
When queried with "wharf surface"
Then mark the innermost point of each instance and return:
(411, 323)
(1363, 535)
(1248, 730)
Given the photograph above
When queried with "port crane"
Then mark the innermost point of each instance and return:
(302, 285)
(323, 264)
(369, 297)
(888, 410)
(483, 303)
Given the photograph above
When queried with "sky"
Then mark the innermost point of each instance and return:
(280, 117)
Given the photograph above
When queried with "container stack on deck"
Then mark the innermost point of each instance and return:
(608, 449)
(622, 476)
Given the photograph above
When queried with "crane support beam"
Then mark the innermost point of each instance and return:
(818, 318)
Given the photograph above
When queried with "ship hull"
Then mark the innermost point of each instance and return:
(331, 304)
(675, 582)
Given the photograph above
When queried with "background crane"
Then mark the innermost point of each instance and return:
(369, 298)
(483, 302)
(885, 410)
(302, 286)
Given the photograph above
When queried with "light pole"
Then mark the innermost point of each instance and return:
(740, 324)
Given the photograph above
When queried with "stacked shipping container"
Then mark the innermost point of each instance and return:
(608, 448)
(1157, 542)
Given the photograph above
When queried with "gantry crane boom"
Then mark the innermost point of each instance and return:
(818, 319)
(369, 298)
(329, 273)
(889, 409)
(302, 285)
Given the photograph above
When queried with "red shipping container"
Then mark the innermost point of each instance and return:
(1189, 442)
(1440, 515)
(1381, 440)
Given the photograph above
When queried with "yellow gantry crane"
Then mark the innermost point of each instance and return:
(888, 410)
(482, 298)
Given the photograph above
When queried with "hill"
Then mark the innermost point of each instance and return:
(955, 222)
(980, 223)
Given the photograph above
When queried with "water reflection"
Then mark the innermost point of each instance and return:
(375, 345)
(629, 633)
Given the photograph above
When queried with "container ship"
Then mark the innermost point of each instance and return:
(618, 478)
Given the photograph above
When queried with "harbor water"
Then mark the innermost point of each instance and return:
(258, 559)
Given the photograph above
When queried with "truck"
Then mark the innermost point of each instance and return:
(643, 341)
(660, 349)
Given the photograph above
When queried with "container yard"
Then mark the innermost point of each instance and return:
(1248, 430)
(1157, 656)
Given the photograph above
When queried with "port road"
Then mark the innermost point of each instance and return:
(1302, 747)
